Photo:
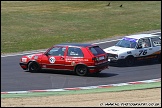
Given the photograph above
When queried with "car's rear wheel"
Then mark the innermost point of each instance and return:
(159, 58)
(33, 67)
(97, 72)
(81, 70)
(129, 61)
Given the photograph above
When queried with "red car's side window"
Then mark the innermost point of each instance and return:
(57, 51)
(76, 52)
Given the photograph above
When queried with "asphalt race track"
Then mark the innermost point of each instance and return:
(13, 78)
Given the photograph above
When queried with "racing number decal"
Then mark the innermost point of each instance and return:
(143, 52)
(52, 59)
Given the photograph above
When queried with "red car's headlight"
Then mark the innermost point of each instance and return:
(23, 59)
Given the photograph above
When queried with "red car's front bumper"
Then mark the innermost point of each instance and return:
(23, 66)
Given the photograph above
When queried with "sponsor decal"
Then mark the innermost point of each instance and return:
(30, 56)
(35, 57)
(72, 63)
(74, 59)
(52, 59)
(157, 43)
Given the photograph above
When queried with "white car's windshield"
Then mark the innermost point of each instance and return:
(127, 43)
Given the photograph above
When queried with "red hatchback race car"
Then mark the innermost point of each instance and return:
(80, 58)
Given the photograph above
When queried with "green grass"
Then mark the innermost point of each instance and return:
(32, 25)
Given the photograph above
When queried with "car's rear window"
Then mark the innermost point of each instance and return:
(96, 50)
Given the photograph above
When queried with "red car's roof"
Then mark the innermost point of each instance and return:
(75, 44)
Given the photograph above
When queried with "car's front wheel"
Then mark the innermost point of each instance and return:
(33, 67)
(129, 61)
(81, 70)
(159, 58)
(97, 72)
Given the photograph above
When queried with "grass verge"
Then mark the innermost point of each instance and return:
(32, 25)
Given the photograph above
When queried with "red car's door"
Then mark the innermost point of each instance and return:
(54, 58)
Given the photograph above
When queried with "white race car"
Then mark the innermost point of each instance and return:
(135, 47)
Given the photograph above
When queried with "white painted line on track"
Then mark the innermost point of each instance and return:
(85, 88)
(155, 33)
(9, 55)
(106, 41)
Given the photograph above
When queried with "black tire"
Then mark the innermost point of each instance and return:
(97, 72)
(120, 63)
(81, 70)
(33, 67)
(129, 61)
(159, 58)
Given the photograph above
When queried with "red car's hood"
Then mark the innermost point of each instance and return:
(34, 56)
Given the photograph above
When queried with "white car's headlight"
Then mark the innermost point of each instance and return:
(113, 55)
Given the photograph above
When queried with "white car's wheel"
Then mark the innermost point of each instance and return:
(129, 61)
(159, 58)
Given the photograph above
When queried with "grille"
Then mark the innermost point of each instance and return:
(112, 55)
